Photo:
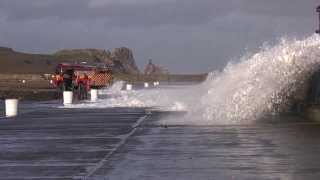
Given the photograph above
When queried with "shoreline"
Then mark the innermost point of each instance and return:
(37, 87)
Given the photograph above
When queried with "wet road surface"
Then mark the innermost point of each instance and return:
(62, 143)
(288, 150)
(130, 143)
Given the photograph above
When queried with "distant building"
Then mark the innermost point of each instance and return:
(153, 69)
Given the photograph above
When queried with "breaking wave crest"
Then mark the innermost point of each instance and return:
(261, 83)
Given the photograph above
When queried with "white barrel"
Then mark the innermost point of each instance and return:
(12, 107)
(146, 85)
(129, 87)
(155, 84)
(94, 95)
(67, 97)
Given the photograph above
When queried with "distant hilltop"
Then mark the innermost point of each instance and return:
(11, 61)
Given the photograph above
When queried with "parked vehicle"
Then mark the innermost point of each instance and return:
(81, 78)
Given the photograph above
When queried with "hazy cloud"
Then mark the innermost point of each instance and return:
(185, 35)
(275, 8)
(145, 13)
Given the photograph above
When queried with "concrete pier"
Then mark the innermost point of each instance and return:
(263, 150)
(62, 143)
(130, 143)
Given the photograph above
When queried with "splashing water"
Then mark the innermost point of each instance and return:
(114, 89)
(247, 90)
(160, 98)
(243, 92)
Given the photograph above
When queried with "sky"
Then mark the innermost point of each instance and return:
(185, 36)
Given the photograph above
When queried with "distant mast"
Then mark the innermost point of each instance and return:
(318, 11)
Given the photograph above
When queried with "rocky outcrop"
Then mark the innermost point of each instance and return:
(12, 61)
(123, 60)
(153, 69)
(91, 56)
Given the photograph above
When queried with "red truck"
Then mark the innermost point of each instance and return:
(81, 78)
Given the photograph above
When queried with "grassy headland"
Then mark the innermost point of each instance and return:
(18, 67)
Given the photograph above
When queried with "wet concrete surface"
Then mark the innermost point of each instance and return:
(281, 150)
(130, 143)
(53, 143)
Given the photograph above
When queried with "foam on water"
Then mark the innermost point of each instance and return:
(161, 98)
(242, 92)
(114, 89)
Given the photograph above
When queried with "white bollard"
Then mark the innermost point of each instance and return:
(155, 83)
(11, 107)
(129, 87)
(67, 97)
(158, 83)
(146, 85)
(94, 95)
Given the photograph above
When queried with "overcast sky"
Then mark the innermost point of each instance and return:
(183, 35)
